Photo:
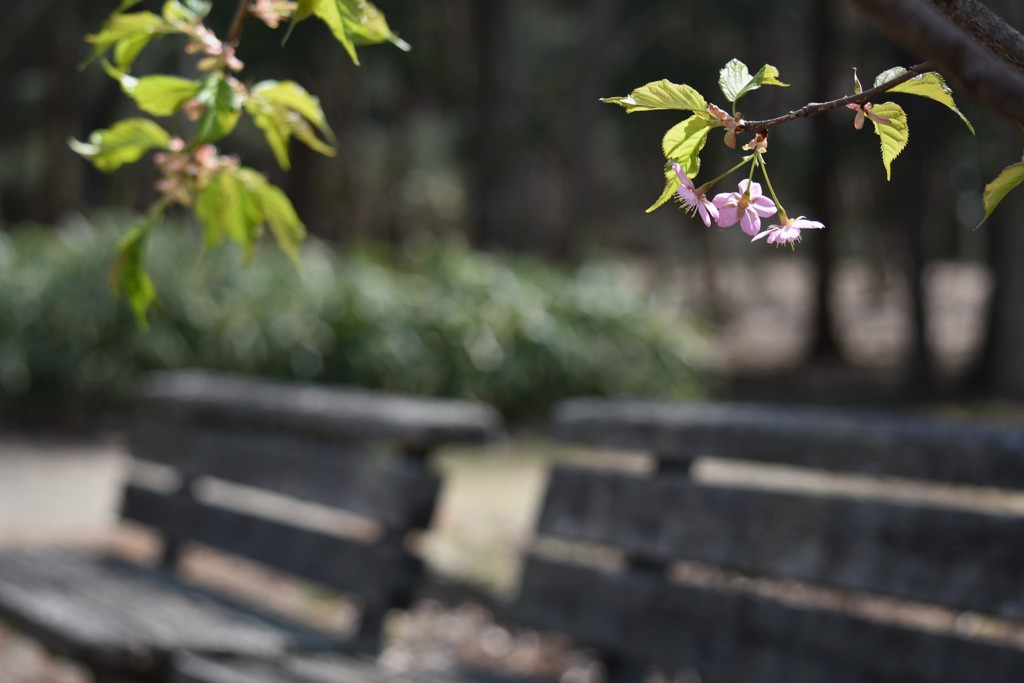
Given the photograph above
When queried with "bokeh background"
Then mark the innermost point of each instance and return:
(489, 137)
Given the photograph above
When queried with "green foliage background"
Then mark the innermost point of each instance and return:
(446, 321)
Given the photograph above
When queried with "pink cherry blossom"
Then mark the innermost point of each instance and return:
(688, 193)
(865, 110)
(789, 231)
(747, 206)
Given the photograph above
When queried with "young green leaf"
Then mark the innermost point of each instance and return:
(127, 35)
(355, 22)
(304, 9)
(123, 143)
(735, 80)
(282, 219)
(222, 107)
(930, 85)
(893, 135)
(282, 109)
(1009, 178)
(672, 184)
(186, 11)
(127, 276)
(684, 141)
(158, 95)
(227, 208)
(661, 94)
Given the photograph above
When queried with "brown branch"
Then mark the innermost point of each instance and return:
(986, 27)
(821, 107)
(918, 26)
(235, 32)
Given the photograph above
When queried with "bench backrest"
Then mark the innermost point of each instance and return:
(358, 452)
(639, 614)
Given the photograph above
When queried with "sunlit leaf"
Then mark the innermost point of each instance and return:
(684, 141)
(735, 80)
(127, 276)
(355, 22)
(661, 95)
(158, 95)
(304, 9)
(282, 109)
(930, 85)
(123, 143)
(222, 107)
(1009, 178)
(186, 11)
(672, 184)
(127, 35)
(893, 135)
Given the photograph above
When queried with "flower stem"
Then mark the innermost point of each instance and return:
(235, 32)
(767, 180)
(707, 186)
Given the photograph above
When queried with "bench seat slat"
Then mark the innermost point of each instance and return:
(394, 492)
(103, 612)
(731, 636)
(190, 668)
(961, 559)
(377, 572)
(348, 414)
(807, 437)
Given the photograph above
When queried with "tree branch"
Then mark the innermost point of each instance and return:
(918, 26)
(822, 107)
(235, 32)
(986, 27)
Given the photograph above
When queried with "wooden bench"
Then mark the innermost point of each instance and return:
(744, 583)
(210, 435)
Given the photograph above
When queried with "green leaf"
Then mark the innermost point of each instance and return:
(735, 80)
(127, 35)
(127, 276)
(237, 202)
(186, 11)
(684, 141)
(123, 143)
(672, 184)
(227, 208)
(355, 22)
(930, 85)
(303, 10)
(1009, 178)
(661, 95)
(893, 135)
(222, 107)
(282, 109)
(158, 95)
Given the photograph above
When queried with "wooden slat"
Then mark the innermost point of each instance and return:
(811, 437)
(350, 414)
(395, 492)
(381, 574)
(741, 637)
(955, 558)
(116, 617)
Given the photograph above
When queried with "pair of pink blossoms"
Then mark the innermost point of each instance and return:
(748, 207)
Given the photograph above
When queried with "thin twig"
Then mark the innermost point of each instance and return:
(821, 107)
(235, 32)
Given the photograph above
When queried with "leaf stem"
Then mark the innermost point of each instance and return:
(822, 107)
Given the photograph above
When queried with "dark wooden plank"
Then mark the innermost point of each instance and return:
(349, 414)
(825, 439)
(951, 557)
(730, 636)
(323, 668)
(381, 574)
(113, 617)
(396, 492)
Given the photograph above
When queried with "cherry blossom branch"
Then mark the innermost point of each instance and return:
(918, 26)
(235, 32)
(986, 27)
(815, 108)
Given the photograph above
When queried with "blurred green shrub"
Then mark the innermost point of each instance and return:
(447, 321)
